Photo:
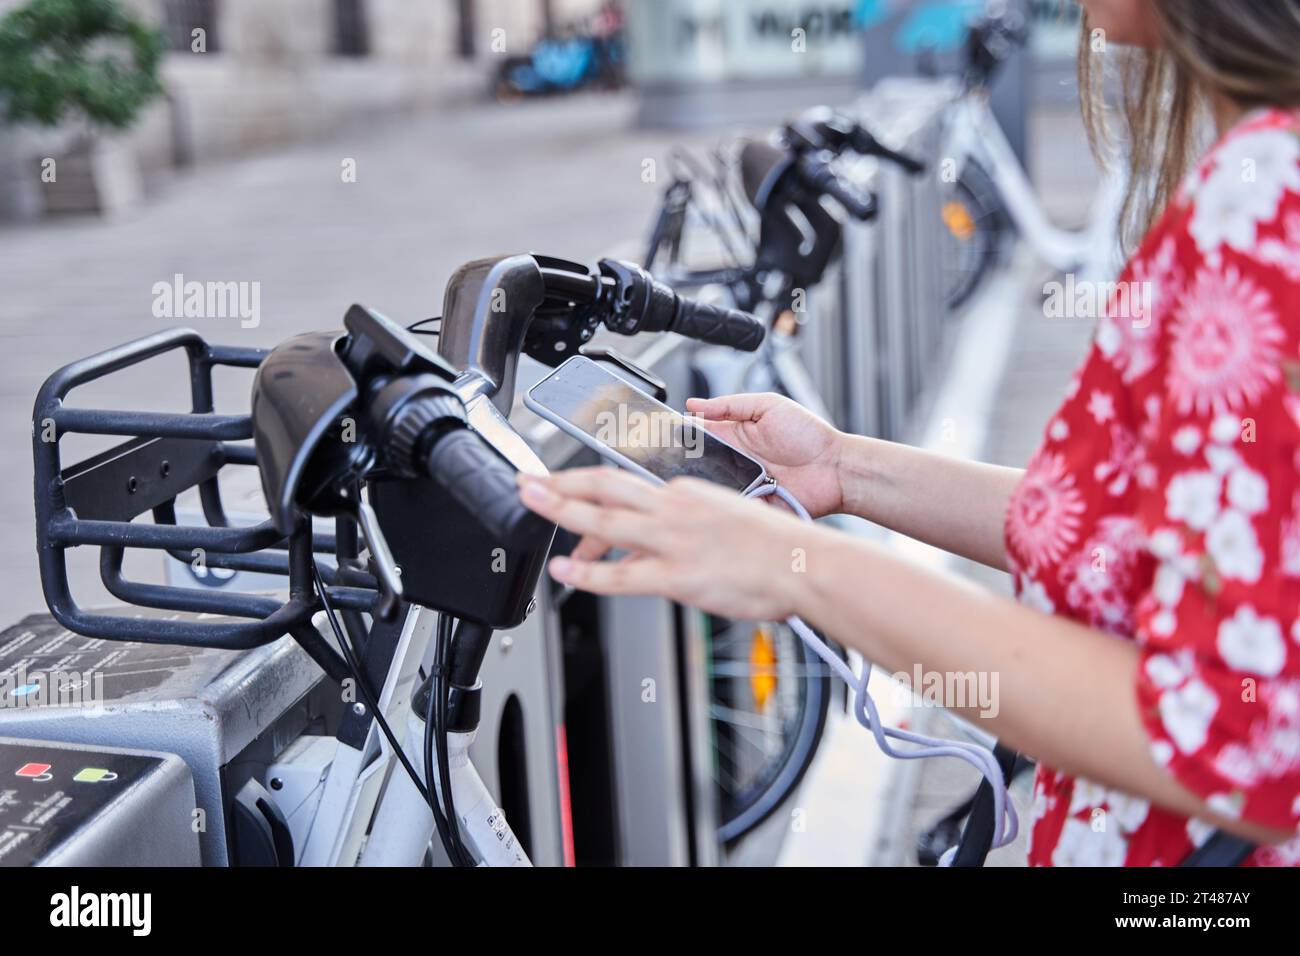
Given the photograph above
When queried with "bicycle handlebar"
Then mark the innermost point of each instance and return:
(637, 302)
(817, 174)
(866, 144)
(472, 472)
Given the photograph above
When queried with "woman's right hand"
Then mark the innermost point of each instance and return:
(797, 448)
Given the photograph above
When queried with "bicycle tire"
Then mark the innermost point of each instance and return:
(973, 226)
(771, 782)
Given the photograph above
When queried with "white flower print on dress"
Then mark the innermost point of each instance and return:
(1101, 406)
(1125, 460)
(1097, 576)
(1247, 490)
(1043, 512)
(1193, 498)
(1225, 344)
(1230, 204)
(1284, 253)
(1272, 750)
(1232, 543)
(1187, 440)
(1186, 710)
(1081, 845)
(1250, 643)
(1099, 826)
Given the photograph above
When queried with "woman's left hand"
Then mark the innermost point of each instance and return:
(689, 540)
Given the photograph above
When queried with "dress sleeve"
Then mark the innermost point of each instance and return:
(1219, 678)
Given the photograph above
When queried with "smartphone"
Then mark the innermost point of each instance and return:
(625, 425)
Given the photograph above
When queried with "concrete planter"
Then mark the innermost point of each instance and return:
(97, 175)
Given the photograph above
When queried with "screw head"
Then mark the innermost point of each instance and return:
(277, 783)
(359, 709)
(507, 642)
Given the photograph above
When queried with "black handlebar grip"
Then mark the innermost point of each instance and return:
(484, 484)
(717, 325)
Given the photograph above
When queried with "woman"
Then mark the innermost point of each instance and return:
(1152, 666)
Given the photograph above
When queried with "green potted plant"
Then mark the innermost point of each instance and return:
(86, 68)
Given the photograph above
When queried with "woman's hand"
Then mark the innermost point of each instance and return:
(797, 448)
(689, 540)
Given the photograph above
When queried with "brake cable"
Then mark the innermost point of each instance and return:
(981, 758)
(368, 696)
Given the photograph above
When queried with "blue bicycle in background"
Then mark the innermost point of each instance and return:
(590, 56)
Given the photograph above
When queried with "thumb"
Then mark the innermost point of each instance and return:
(734, 408)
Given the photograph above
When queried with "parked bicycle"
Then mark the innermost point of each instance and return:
(990, 191)
(760, 209)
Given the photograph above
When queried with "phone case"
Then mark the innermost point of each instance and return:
(606, 451)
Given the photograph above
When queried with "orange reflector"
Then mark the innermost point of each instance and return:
(762, 661)
(958, 220)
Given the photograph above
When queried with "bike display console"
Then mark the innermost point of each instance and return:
(68, 805)
(226, 711)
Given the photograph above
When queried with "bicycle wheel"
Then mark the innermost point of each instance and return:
(972, 232)
(769, 696)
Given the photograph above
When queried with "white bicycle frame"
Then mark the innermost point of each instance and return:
(347, 806)
(974, 134)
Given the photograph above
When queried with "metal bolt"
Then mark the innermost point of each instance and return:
(507, 642)
(277, 783)
(165, 468)
(131, 485)
(359, 709)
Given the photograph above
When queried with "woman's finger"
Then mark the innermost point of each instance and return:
(601, 485)
(645, 576)
(619, 526)
(748, 407)
(590, 548)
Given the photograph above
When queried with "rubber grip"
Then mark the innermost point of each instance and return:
(484, 484)
(718, 325)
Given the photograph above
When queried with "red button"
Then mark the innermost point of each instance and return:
(32, 769)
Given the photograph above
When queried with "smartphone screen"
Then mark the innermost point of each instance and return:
(661, 441)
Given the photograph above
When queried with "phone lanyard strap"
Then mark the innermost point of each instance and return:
(1006, 822)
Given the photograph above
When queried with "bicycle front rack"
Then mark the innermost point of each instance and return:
(93, 502)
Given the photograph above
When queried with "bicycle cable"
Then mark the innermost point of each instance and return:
(370, 700)
(864, 709)
(435, 731)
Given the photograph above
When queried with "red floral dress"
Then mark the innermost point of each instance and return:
(1164, 507)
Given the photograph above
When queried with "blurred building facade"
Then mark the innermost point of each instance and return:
(243, 75)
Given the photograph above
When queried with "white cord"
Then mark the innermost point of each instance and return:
(864, 708)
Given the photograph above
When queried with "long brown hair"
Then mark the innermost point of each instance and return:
(1247, 51)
